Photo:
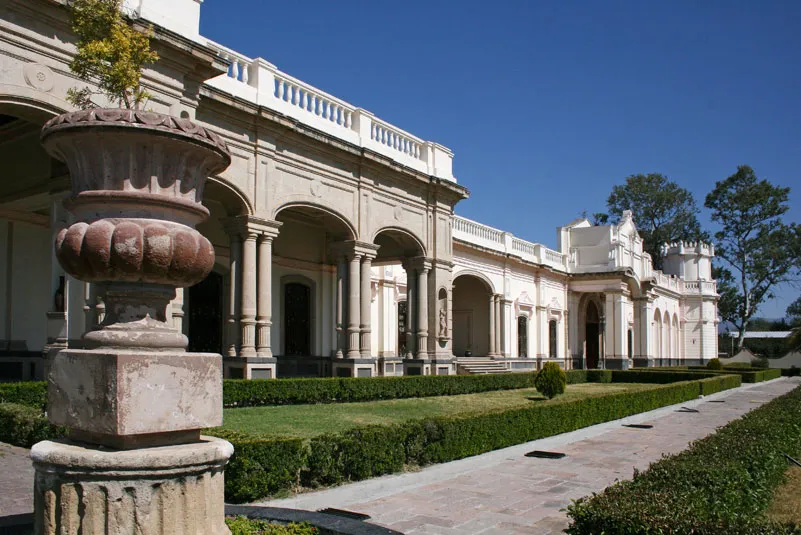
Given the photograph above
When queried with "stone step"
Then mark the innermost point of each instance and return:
(479, 366)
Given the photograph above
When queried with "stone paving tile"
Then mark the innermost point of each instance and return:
(16, 481)
(506, 493)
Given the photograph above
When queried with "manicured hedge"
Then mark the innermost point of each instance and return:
(722, 484)
(750, 375)
(24, 426)
(263, 466)
(791, 372)
(30, 393)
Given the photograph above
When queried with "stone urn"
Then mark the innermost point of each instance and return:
(134, 401)
(137, 184)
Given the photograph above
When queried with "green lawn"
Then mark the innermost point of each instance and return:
(307, 421)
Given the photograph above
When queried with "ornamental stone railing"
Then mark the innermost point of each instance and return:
(262, 83)
(487, 237)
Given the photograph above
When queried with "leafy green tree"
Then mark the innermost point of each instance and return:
(111, 54)
(794, 313)
(757, 250)
(663, 211)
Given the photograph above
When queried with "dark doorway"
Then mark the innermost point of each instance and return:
(522, 336)
(592, 336)
(205, 315)
(297, 319)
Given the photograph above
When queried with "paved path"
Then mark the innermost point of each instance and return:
(16, 481)
(503, 492)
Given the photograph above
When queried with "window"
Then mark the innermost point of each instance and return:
(552, 339)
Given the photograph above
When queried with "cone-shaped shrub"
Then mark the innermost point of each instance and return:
(551, 381)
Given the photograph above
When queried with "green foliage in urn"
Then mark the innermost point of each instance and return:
(663, 211)
(551, 381)
(714, 364)
(111, 54)
(755, 249)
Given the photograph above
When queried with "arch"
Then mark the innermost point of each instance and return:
(477, 274)
(473, 322)
(234, 200)
(408, 243)
(330, 215)
(31, 104)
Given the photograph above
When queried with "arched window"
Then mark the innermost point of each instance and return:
(522, 336)
(552, 339)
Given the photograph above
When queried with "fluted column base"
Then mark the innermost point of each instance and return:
(89, 490)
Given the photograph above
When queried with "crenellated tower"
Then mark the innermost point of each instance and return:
(692, 262)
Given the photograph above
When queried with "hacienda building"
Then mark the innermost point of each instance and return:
(338, 252)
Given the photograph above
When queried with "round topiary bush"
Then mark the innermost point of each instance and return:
(714, 364)
(551, 380)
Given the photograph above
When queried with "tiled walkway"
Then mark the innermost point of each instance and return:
(499, 492)
(503, 492)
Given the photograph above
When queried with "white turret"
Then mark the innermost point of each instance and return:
(691, 261)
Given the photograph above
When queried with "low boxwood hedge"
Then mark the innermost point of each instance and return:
(722, 484)
(262, 466)
(29, 393)
(24, 426)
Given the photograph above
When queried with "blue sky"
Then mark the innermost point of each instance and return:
(547, 105)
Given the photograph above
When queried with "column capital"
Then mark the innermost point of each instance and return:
(352, 248)
(246, 225)
(417, 263)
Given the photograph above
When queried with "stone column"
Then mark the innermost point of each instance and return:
(247, 318)
(177, 310)
(264, 319)
(498, 325)
(342, 273)
(235, 276)
(411, 309)
(422, 311)
(366, 296)
(491, 349)
(354, 304)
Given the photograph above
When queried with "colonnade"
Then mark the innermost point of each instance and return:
(497, 322)
(250, 296)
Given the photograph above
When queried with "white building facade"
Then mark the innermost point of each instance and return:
(338, 249)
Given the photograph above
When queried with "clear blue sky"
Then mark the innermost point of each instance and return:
(548, 104)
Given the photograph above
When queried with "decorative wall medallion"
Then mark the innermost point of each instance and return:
(39, 76)
(316, 188)
(398, 213)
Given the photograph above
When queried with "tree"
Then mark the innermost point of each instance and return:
(794, 313)
(663, 211)
(757, 249)
(111, 54)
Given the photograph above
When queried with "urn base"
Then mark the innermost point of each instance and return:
(91, 490)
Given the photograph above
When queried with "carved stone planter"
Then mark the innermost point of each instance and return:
(137, 183)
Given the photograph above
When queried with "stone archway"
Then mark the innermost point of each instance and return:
(473, 317)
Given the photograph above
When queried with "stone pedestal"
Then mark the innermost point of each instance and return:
(135, 401)
(170, 490)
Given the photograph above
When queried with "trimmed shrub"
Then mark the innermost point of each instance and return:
(260, 392)
(714, 364)
(791, 372)
(720, 485)
(260, 466)
(760, 362)
(24, 426)
(28, 393)
(575, 377)
(551, 380)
